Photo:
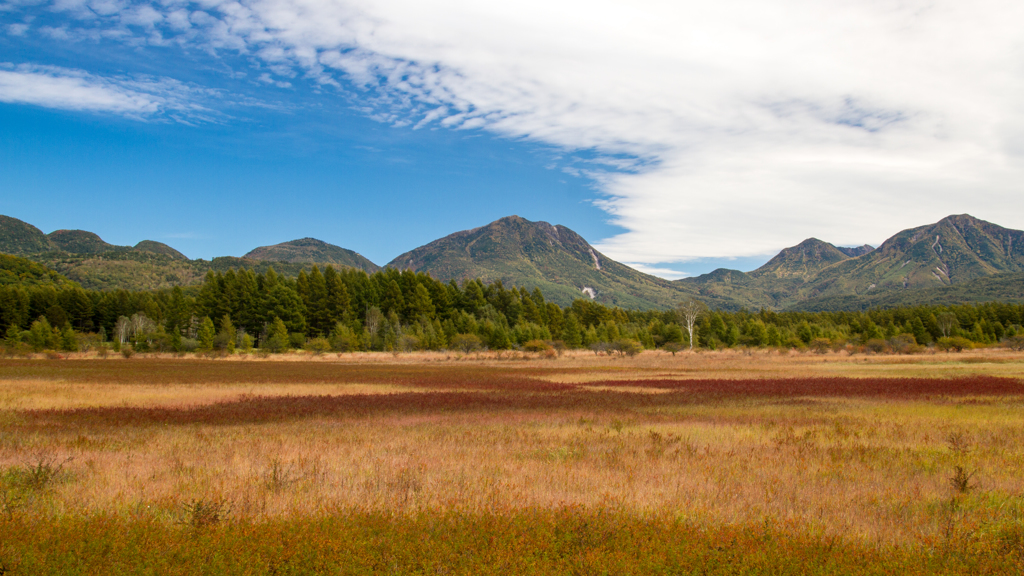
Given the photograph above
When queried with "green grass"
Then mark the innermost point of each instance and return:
(566, 541)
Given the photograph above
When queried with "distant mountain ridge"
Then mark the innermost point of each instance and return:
(959, 258)
(84, 257)
(955, 250)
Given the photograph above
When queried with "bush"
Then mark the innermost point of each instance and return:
(673, 347)
(956, 343)
(820, 345)
(466, 342)
(318, 346)
(276, 344)
(408, 343)
(628, 347)
(876, 345)
(904, 344)
(536, 346)
(1015, 342)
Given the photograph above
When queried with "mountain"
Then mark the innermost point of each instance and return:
(854, 251)
(20, 238)
(956, 250)
(80, 242)
(953, 250)
(154, 247)
(802, 261)
(83, 257)
(957, 259)
(312, 250)
(555, 259)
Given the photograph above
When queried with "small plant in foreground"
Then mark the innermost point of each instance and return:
(202, 513)
(279, 476)
(38, 475)
(961, 479)
(960, 445)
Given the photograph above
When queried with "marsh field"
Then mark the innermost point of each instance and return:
(732, 462)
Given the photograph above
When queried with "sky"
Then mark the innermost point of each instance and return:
(677, 137)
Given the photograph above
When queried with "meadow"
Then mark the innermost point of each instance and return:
(731, 462)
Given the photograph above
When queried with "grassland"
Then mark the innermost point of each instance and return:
(711, 463)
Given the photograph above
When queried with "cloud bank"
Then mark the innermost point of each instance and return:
(721, 129)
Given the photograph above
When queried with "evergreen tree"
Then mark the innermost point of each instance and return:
(572, 332)
(206, 334)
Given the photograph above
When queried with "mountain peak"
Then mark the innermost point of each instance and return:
(520, 252)
(801, 261)
(79, 242)
(18, 237)
(312, 250)
(855, 251)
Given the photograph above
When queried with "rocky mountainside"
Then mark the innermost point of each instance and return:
(555, 259)
(955, 250)
(312, 250)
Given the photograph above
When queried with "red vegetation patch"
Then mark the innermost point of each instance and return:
(833, 387)
(519, 395)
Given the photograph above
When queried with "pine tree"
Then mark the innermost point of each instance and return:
(206, 334)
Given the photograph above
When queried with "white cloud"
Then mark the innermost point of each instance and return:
(667, 273)
(68, 89)
(721, 129)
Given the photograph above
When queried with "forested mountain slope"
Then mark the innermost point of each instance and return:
(555, 259)
(954, 251)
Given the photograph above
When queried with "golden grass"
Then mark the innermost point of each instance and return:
(875, 469)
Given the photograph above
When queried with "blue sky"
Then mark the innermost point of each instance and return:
(677, 137)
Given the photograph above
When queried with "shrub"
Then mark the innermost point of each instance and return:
(1015, 342)
(876, 345)
(318, 346)
(904, 344)
(536, 346)
(628, 347)
(40, 474)
(673, 347)
(820, 345)
(956, 343)
(127, 351)
(466, 342)
(408, 343)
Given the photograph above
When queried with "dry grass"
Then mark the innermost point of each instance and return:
(772, 438)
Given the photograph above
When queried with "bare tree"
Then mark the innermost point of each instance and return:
(947, 321)
(123, 329)
(374, 318)
(689, 312)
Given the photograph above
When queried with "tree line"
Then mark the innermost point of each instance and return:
(350, 310)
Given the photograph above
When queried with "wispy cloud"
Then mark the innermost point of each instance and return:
(667, 273)
(714, 129)
(135, 97)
